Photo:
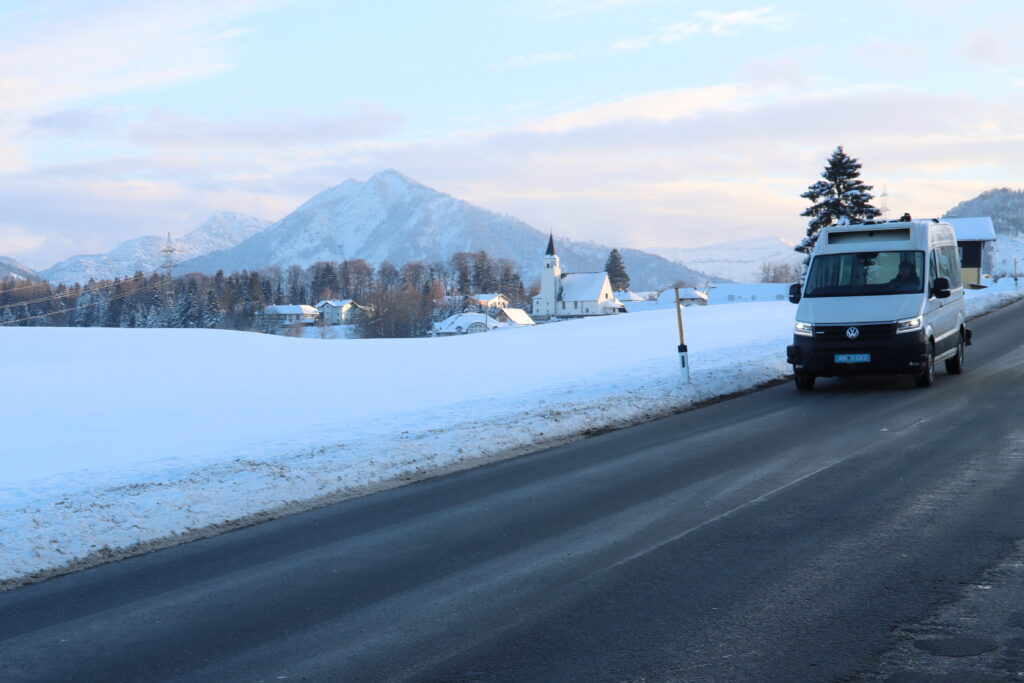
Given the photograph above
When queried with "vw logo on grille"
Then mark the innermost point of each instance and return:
(852, 332)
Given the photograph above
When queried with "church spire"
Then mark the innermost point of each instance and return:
(551, 246)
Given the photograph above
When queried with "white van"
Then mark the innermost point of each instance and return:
(880, 298)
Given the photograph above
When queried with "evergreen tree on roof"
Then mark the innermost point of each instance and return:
(839, 197)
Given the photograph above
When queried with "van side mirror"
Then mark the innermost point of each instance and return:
(794, 294)
(940, 288)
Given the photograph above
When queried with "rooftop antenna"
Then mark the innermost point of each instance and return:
(168, 267)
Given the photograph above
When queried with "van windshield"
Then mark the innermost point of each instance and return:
(866, 274)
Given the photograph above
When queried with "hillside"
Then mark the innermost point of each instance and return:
(1003, 205)
(9, 268)
(221, 230)
(739, 261)
(391, 217)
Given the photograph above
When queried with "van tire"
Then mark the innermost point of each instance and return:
(927, 376)
(955, 365)
(804, 381)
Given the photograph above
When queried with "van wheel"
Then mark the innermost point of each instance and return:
(955, 365)
(927, 377)
(804, 381)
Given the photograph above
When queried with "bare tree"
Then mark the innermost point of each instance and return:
(776, 270)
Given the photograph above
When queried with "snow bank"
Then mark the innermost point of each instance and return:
(121, 439)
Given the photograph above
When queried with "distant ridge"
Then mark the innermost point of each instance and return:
(221, 230)
(1004, 206)
(9, 268)
(739, 261)
(391, 217)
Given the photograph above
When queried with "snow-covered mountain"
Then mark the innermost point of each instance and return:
(739, 261)
(222, 230)
(393, 218)
(9, 268)
(1003, 205)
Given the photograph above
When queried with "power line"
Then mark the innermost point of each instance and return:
(71, 292)
(79, 307)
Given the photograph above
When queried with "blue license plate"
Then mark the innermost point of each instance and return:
(853, 357)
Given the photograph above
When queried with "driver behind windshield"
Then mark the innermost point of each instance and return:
(906, 279)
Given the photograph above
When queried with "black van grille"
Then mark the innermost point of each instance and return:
(838, 332)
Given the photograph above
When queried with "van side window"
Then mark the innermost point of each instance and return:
(949, 267)
(933, 270)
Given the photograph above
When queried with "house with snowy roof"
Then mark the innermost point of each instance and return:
(339, 311)
(289, 314)
(972, 235)
(568, 295)
(465, 323)
(492, 300)
(515, 316)
(688, 296)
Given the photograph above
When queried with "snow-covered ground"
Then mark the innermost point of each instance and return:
(1009, 252)
(116, 438)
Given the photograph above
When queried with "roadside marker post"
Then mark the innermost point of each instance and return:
(684, 362)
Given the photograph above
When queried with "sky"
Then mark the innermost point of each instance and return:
(633, 123)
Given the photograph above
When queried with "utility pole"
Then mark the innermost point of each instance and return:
(884, 203)
(684, 362)
(168, 270)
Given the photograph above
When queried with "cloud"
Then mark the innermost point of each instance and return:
(892, 54)
(116, 47)
(73, 122)
(658, 106)
(711, 22)
(679, 167)
(364, 121)
(15, 239)
(995, 45)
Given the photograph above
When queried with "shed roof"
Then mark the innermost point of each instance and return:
(518, 316)
(978, 229)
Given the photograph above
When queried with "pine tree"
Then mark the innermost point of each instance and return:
(212, 316)
(616, 270)
(839, 197)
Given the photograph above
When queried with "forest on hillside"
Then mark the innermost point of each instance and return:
(401, 301)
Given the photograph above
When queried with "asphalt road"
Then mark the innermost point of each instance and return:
(780, 536)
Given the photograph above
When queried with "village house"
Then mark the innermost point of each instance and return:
(289, 314)
(515, 316)
(494, 300)
(339, 311)
(465, 323)
(688, 296)
(566, 295)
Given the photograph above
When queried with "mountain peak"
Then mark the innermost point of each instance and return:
(391, 176)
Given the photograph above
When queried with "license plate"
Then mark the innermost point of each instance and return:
(853, 357)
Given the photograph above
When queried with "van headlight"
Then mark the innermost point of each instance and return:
(908, 325)
(803, 329)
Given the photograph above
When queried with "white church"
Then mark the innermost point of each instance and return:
(567, 295)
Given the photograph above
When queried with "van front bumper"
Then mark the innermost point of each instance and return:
(895, 354)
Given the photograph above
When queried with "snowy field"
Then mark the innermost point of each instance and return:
(116, 440)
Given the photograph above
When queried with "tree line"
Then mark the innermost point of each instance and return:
(400, 301)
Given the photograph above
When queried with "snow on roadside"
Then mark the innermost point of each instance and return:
(117, 438)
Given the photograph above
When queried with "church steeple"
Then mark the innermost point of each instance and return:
(551, 246)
